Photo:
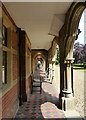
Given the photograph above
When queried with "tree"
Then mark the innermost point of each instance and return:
(79, 53)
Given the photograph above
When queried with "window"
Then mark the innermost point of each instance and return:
(4, 62)
(4, 35)
(4, 68)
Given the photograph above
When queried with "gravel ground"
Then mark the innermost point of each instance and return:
(80, 91)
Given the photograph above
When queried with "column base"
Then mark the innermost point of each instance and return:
(67, 103)
(67, 93)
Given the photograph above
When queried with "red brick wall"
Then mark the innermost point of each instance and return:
(0, 108)
(10, 94)
(15, 67)
(8, 99)
(14, 39)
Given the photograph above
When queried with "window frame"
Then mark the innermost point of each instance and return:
(4, 35)
(4, 66)
(4, 55)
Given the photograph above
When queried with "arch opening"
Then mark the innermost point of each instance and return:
(79, 67)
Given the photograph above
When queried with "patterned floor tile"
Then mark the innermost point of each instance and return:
(41, 106)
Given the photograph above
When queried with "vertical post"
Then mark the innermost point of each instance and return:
(22, 72)
(1, 60)
(53, 71)
(67, 91)
(20, 77)
(68, 76)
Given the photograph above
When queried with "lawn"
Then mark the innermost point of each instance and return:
(79, 66)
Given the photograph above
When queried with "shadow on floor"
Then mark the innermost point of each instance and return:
(44, 106)
(41, 106)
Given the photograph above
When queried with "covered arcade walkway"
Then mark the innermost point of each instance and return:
(44, 33)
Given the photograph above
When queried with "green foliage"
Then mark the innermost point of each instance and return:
(58, 56)
(2, 67)
(57, 62)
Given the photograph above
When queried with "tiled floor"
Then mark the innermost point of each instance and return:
(41, 106)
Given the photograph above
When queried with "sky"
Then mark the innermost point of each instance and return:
(81, 37)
